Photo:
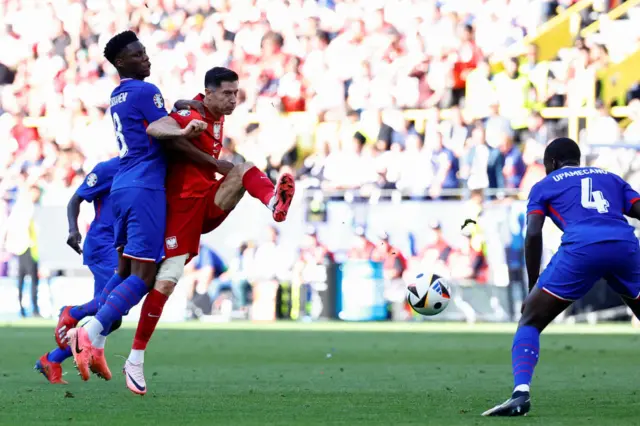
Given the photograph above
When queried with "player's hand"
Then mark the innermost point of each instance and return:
(194, 128)
(74, 240)
(224, 167)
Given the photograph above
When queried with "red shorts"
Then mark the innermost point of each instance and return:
(188, 218)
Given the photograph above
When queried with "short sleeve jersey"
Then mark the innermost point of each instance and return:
(98, 245)
(587, 203)
(134, 105)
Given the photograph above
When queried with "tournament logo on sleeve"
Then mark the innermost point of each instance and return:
(184, 112)
(158, 101)
(92, 179)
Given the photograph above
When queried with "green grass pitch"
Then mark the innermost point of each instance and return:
(328, 373)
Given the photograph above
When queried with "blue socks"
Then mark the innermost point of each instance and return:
(524, 356)
(58, 355)
(90, 308)
(114, 282)
(124, 297)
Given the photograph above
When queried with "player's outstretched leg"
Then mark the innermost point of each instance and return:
(539, 310)
(258, 185)
(71, 315)
(125, 296)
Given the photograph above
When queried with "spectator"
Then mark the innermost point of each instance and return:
(203, 278)
(362, 248)
(394, 265)
(21, 241)
(445, 166)
(514, 167)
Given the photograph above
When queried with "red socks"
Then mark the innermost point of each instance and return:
(258, 185)
(149, 317)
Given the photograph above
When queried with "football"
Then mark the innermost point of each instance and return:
(429, 294)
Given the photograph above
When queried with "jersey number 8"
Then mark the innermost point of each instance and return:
(122, 144)
(593, 199)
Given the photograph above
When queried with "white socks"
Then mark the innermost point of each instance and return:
(272, 202)
(94, 328)
(136, 356)
(521, 388)
(99, 341)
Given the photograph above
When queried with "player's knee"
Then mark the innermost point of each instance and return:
(239, 170)
(165, 287)
(171, 271)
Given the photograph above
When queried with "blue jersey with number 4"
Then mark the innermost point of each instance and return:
(96, 189)
(135, 104)
(587, 203)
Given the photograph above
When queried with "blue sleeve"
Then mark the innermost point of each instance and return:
(150, 103)
(629, 195)
(537, 202)
(96, 185)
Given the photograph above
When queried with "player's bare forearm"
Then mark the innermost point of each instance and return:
(73, 212)
(165, 128)
(533, 248)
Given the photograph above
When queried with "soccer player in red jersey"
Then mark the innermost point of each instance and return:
(197, 203)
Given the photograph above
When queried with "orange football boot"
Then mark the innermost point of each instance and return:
(51, 370)
(65, 323)
(81, 348)
(285, 189)
(98, 365)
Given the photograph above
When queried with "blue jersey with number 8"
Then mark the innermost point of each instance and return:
(135, 104)
(587, 203)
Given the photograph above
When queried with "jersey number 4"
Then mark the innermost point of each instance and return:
(122, 144)
(593, 199)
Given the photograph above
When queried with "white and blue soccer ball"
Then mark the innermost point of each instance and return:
(429, 294)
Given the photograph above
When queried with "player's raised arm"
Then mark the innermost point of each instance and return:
(168, 128)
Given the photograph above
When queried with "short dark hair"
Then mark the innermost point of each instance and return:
(117, 44)
(563, 150)
(215, 76)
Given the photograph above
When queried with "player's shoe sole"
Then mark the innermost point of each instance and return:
(65, 323)
(285, 190)
(50, 370)
(134, 378)
(81, 348)
(98, 365)
(518, 405)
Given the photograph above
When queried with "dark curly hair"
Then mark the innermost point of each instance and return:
(117, 44)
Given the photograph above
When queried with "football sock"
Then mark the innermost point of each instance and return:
(149, 317)
(114, 282)
(81, 311)
(120, 301)
(136, 356)
(99, 341)
(258, 185)
(59, 355)
(524, 356)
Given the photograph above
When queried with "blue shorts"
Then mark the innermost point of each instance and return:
(101, 276)
(573, 271)
(140, 222)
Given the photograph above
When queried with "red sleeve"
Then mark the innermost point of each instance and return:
(184, 116)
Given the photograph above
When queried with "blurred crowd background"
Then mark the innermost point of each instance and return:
(421, 100)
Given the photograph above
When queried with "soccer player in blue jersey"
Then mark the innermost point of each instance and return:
(137, 193)
(589, 205)
(100, 258)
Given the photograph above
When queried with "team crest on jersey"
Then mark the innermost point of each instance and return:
(92, 179)
(217, 130)
(184, 112)
(158, 101)
(172, 243)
